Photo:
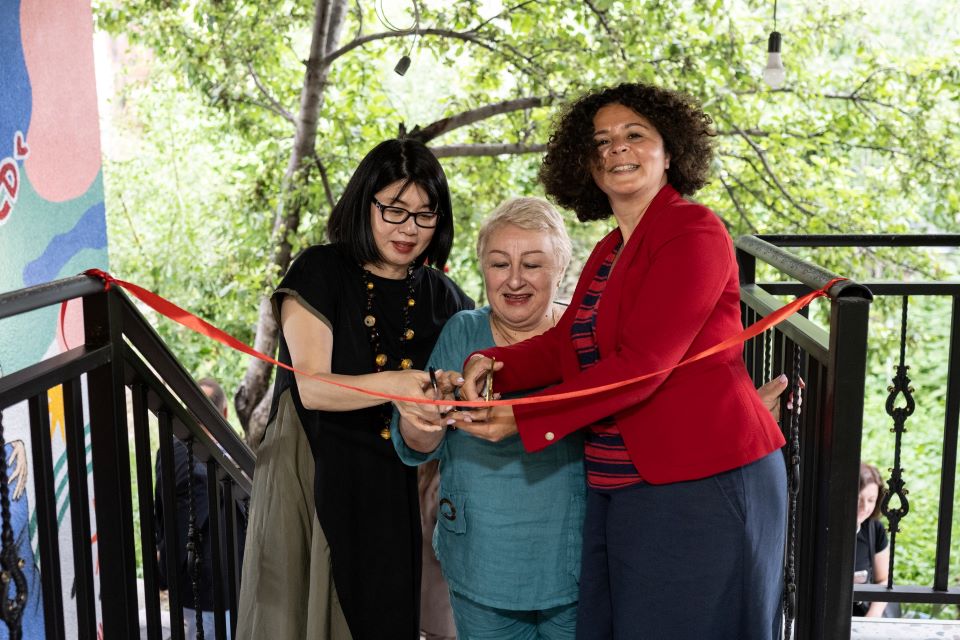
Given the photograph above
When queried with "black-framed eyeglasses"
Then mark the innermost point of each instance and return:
(399, 215)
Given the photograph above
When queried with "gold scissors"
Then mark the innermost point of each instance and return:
(488, 394)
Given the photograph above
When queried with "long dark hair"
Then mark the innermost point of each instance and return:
(869, 474)
(390, 161)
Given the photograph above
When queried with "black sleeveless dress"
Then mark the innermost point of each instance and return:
(366, 499)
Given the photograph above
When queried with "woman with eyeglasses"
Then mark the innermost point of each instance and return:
(334, 539)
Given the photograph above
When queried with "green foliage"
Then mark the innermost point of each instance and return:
(922, 445)
(926, 349)
(184, 203)
(864, 137)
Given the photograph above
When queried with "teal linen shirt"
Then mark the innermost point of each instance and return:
(510, 524)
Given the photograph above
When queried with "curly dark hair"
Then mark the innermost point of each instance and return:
(686, 131)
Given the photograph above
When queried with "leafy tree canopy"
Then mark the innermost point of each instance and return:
(256, 112)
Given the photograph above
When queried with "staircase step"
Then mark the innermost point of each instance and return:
(904, 629)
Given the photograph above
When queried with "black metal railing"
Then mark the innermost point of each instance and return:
(123, 356)
(823, 439)
(900, 405)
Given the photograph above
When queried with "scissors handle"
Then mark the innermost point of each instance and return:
(488, 395)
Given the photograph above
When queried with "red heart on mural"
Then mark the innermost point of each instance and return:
(20, 149)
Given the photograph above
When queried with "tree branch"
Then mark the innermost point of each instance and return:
(857, 99)
(476, 150)
(372, 37)
(762, 175)
(737, 206)
(771, 206)
(764, 178)
(275, 105)
(487, 43)
(337, 15)
(866, 81)
(325, 179)
(852, 97)
(759, 133)
(779, 213)
(327, 26)
(464, 118)
(359, 19)
(762, 155)
(503, 13)
(893, 152)
(606, 27)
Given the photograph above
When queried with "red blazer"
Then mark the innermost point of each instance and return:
(673, 292)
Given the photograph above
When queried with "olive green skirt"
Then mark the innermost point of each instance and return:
(287, 590)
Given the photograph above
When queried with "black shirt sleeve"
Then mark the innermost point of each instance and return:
(879, 536)
(313, 279)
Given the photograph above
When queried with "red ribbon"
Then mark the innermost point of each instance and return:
(192, 322)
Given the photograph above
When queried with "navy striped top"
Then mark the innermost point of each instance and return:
(606, 459)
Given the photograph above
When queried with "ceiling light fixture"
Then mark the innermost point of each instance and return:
(403, 64)
(774, 74)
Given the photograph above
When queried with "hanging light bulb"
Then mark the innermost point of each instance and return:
(774, 73)
(402, 65)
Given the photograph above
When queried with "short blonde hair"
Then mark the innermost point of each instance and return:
(532, 214)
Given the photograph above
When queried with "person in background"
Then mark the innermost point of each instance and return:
(436, 616)
(872, 558)
(185, 481)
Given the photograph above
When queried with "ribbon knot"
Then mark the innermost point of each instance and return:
(108, 279)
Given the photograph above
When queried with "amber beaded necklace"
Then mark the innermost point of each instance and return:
(381, 361)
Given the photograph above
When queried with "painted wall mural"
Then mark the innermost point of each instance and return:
(52, 225)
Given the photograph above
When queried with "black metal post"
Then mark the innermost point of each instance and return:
(233, 555)
(148, 538)
(951, 423)
(832, 511)
(46, 505)
(79, 510)
(747, 267)
(218, 509)
(168, 495)
(111, 472)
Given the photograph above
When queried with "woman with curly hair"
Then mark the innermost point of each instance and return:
(686, 497)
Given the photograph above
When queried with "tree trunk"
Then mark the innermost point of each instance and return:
(328, 23)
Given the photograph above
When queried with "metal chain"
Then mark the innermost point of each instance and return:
(901, 385)
(193, 544)
(793, 487)
(11, 565)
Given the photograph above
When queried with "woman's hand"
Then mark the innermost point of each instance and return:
(771, 391)
(770, 394)
(448, 382)
(475, 376)
(417, 384)
(423, 427)
(17, 463)
(493, 424)
(421, 436)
